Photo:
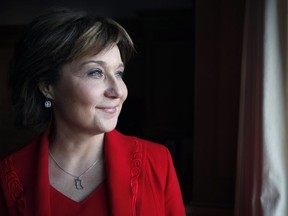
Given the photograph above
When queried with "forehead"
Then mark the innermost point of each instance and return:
(108, 55)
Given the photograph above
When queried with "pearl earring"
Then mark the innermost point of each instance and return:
(47, 104)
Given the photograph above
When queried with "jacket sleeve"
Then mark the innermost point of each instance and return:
(11, 191)
(174, 205)
(3, 209)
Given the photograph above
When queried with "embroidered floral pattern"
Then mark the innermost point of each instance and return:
(135, 172)
(12, 182)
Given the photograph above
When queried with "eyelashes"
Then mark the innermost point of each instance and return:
(119, 74)
(96, 73)
(100, 74)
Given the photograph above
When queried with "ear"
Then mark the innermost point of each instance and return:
(47, 90)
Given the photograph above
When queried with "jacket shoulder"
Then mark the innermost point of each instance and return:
(21, 159)
(148, 145)
(19, 152)
(154, 152)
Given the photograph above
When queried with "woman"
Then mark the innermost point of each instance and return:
(66, 80)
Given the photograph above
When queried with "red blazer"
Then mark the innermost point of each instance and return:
(141, 179)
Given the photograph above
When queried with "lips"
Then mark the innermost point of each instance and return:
(108, 109)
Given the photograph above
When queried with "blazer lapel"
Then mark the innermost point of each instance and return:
(42, 185)
(123, 157)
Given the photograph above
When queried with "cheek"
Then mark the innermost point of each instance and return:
(86, 96)
(74, 95)
(125, 92)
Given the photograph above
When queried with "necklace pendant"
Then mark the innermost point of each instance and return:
(78, 184)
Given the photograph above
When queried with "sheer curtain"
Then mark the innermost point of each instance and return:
(263, 149)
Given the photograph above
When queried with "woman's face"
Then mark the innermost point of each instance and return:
(90, 94)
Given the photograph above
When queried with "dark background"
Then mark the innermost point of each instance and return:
(184, 86)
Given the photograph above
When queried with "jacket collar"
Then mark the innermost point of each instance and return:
(42, 184)
(123, 157)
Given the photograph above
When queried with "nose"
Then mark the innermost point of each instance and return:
(115, 88)
(112, 93)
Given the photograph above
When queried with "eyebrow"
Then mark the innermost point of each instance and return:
(102, 63)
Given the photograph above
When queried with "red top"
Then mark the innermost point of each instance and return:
(140, 178)
(94, 204)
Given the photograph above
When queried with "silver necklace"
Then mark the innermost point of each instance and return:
(77, 179)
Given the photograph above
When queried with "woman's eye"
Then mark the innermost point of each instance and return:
(95, 73)
(119, 74)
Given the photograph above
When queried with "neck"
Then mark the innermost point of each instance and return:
(72, 150)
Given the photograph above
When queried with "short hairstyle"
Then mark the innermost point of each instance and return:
(57, 37)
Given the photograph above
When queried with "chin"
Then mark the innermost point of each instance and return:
(109, 127)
